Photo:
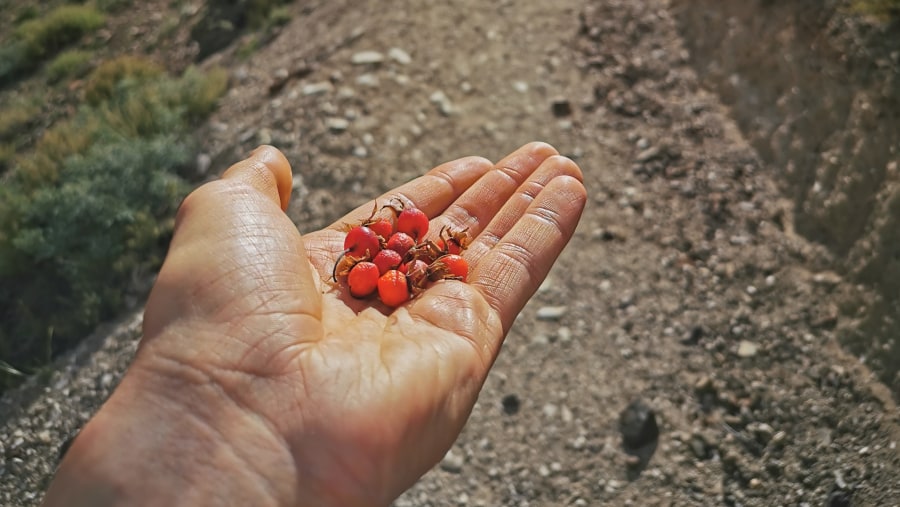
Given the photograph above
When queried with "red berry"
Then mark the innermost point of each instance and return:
(382, 227)
(450, 246)
(401, 243)
(416, 272)
(387, 259)
(361, 242)
(450, 266)
(392, 288)
(363, 279)
(413, 221)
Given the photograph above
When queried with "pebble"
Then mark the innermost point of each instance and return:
(337, 124)
(520, 86)
(561, 107)
(649, 154)
(369, 80)
(551, 312)
(564, 334)
(400, 56)
(511, 404)
(367, 58)
(452, 463)
(566, 414)
(360, 152)
(44, 437)
(203, 163)
(317, 88)
(443, 103)
(747, 349)
(637, 424)
(550, 410)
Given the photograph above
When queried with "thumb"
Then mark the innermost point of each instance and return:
(234, 251)
(266, 170)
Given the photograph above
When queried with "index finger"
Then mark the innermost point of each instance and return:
(510, 272)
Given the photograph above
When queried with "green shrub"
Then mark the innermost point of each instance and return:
(72, 63)
(7, 152)
(884, 9)
(58, 28)
(13, 59)
(102, 82)
(91, 207)
(15, 116)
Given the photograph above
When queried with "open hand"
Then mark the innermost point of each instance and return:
(260, 382)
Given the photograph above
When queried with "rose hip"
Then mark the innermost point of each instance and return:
(392, 288)
(362, 279)
(361, 242)
(450, 266)
(413, 221)
(401, 243)
(386, 260)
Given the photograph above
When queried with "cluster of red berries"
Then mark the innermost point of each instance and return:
(387, 253)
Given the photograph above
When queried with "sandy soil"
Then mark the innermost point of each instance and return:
(684, 286)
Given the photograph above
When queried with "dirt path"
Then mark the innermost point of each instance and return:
(683, 286)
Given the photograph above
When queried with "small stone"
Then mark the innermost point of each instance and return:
(369, 80)
(443, 103)
(44, 437)
(452, 463)
(360, 152)
(281, 74)
(649, 154)
(566, 414)
(839, 498)
(511, 404)
(699, 447)
(317, 88)
(337, 124)
(520, 86)
(637, 423)
(203, 163)
(561, 107)
(550, 410)
(540, 339)
(400, 56)
(367, 58)
(579, 442)
(564, 334)
(762, 431)
(543, 471)
(747, 349)
(827, 278)
(551, 312)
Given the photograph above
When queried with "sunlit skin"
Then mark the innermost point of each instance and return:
(259, 381)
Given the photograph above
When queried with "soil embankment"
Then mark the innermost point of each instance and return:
(817, 94)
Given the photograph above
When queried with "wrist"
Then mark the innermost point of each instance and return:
(160, 441)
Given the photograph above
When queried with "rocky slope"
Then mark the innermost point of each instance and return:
(684, 287)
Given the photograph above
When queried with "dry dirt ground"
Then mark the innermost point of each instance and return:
(684, 286)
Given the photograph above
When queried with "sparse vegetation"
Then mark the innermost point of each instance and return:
(45, 35)
(72, 63)
(92, 205)
(884, 9)
(40, 37)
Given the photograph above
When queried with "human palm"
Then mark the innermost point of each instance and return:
(346, 400)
